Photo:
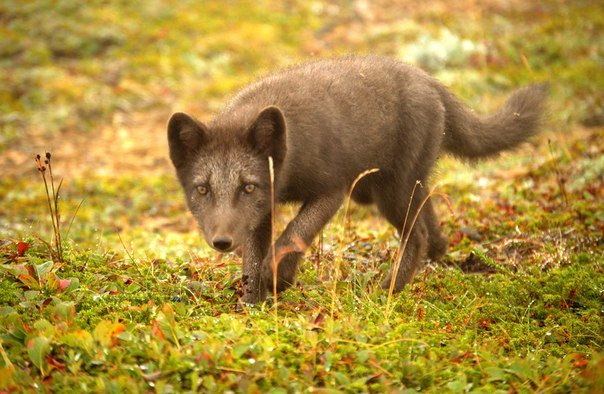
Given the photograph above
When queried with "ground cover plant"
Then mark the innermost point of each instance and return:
(105, 284)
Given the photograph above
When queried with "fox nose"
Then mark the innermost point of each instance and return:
(222, 243)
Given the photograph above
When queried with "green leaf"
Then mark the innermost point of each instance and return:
(362, 356)
(31, 295)
(81, 339)
(168, 326)
(126, 336)
(17, 330)
(457, 386)
(65, 311)
(495, 374)
(45, 328)
(37, 349)
(7, 310)
(341, 378)
(52, 282)
(43, 269)
(72, 284)
(240, 349)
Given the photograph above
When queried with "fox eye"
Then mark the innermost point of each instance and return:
(249, 188)
(202, 189)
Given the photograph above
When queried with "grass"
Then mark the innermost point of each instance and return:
(138, 303)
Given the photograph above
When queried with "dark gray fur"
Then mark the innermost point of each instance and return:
(324, 123)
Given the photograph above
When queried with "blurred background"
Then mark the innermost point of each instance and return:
(95, 82)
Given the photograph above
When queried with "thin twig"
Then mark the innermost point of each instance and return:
(130, 256)
(338, 257)
(273, 246)
(403, 245)
(559, 178)
(73, 217)
(57, 215)
(349, 196)
(526, 64)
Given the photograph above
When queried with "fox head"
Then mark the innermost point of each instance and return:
(224, 171)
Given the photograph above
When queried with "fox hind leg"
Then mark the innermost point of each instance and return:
(393, 202)
(411, 260)
(437, 241)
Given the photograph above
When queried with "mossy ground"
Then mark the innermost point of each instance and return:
(142, 305)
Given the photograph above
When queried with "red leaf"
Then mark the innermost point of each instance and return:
(22, 248)
(318, 321)
(55, 363)
(484, 324)
(29, 281)
(580, 361)
(464, 356)
(64, 283)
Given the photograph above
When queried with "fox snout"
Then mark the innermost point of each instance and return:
(223, 229)
(222, 243)
(224, 237)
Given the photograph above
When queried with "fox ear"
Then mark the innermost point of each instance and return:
(185, 136)
(267, 133)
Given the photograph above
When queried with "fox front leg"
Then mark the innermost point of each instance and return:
(255, 248)
(298, 235)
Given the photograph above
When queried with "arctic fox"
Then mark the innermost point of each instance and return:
(324, 123)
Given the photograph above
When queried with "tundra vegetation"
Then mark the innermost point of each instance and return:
(106, 285)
